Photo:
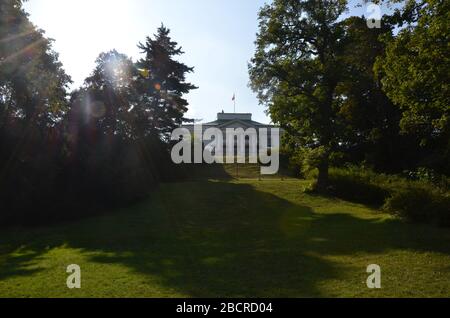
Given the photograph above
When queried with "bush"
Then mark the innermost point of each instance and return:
(428, 176)
(420, 204)
(358, 185)
(415, 200)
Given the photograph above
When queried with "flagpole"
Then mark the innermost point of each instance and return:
(234, 102)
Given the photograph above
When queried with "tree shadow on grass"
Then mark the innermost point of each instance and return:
(218, 239)
(19, 265)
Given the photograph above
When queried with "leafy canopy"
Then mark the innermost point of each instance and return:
(415, 72)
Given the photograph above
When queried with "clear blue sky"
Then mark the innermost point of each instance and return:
(217, 35)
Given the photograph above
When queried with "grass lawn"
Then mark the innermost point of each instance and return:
(229, 239)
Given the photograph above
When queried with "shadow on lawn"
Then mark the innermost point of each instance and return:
(18, 265)
(226, 240)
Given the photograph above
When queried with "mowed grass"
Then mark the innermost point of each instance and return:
(230, 238)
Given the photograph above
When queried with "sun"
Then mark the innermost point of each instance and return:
(83, 29)
(94, 17)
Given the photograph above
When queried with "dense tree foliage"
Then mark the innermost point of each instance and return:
(33, 91)
(296, 71)
(415, 74)
(32, 82)
(66, 155)
(345, 92)
(371, 120)
(103, 157)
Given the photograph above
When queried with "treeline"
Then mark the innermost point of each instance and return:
(345, 93)
(348, 93)
(67, 154)
(355, 99)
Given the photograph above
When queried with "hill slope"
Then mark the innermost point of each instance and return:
(231, 239)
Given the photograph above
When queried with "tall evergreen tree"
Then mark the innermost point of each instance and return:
(161, 85)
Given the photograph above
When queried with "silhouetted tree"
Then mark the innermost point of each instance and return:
(103, 147)
(33, 85)
(33, 101)
(161, 85)
(111, 94)
(107, 160)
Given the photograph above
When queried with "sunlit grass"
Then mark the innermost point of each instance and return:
(238, 238)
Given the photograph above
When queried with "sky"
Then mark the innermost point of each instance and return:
(217, 37)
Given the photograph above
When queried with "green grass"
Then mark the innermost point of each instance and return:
(231, 172)
(229, 239)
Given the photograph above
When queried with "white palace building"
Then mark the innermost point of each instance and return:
(235, 121)
(245, 140)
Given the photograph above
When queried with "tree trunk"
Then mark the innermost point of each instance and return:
(323, 178)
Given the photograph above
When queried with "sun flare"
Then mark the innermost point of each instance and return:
(85, 28)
